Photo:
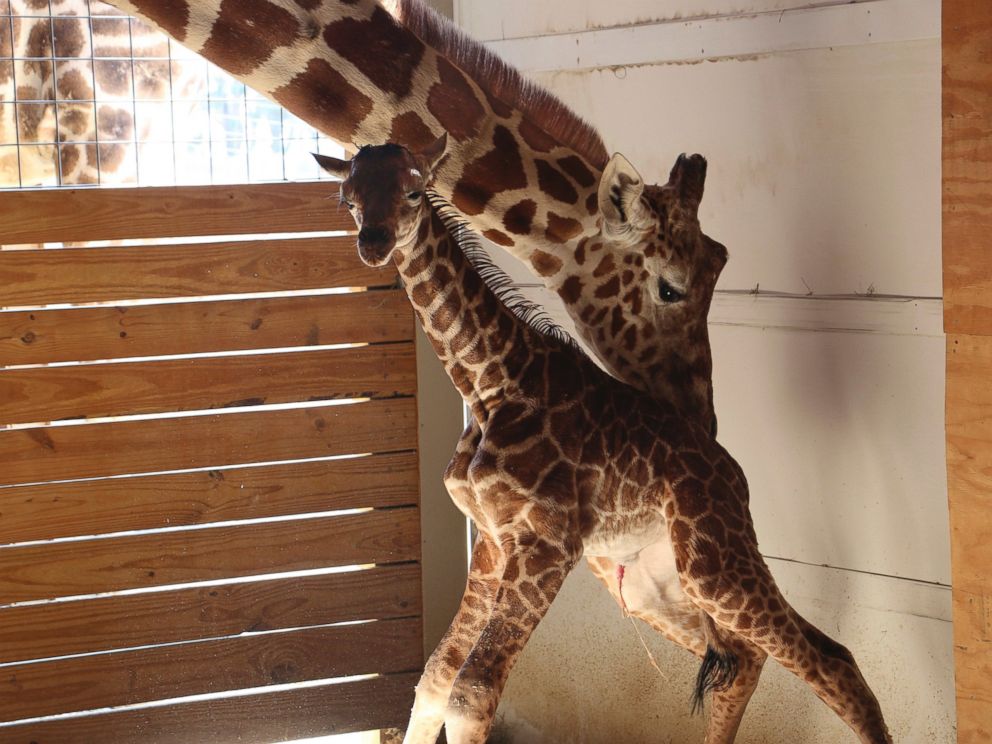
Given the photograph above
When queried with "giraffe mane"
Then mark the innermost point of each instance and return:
(502, 81)
(496, 280)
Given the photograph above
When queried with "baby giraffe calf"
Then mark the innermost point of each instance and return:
(567, 461)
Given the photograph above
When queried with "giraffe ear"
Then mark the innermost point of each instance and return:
(435, 151)
(688, 177)
(620, 192)
(338, 168)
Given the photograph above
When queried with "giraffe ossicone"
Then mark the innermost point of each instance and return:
(563, 460)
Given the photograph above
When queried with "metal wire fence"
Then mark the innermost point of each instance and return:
(90, 96)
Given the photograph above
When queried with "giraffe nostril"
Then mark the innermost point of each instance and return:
(373, 235)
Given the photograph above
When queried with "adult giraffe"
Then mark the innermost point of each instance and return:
(630, 262)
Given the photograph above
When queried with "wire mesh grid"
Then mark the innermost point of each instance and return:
(89, 96)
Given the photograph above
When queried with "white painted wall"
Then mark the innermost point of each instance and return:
(822, 128)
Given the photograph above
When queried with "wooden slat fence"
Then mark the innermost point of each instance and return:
(208, 470)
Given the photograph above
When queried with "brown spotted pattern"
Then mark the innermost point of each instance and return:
(74, 82)
(563, 458)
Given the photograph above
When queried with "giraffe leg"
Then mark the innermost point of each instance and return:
(533, 571)
(736, 589)
(648, 594)
(434, 687)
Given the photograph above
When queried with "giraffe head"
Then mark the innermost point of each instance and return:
(384, 187)
(641, 285)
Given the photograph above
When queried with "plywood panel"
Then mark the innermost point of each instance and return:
(54, 393)
(95, 507)
(92, 682)
(213, 611)
(162, 212)
(47, 277)
(519, 18)
(84, 334)
(799, 186)
(967, 166)
(254, 719)
(93, 450)
(85, 567)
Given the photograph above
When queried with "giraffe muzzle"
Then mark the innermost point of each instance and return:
(375, 244)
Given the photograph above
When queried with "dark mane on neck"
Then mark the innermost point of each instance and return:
(496, 280)
(502, 81)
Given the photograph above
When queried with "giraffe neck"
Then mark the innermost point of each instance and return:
(354, 72)
(484, 347)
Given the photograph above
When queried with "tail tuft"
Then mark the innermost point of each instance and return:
(718, 672)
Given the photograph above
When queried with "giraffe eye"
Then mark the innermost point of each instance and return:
(415, 195)
(668, 293)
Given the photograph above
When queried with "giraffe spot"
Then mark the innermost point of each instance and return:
(410, 131)
(553, 183)
(627, 277)
(617, 320)
(454, 103)
(500, 109)
(577, 169)
(691, 497)
(308, 4)
(561, 229)
(570, 290)
(171, 17)
(630, 338)
(535, 137)
(592, 203)
(234, 42)
(70, 36)
(609, 289)
(498, 237)
(339, 108)
(606, 266)
(520, 217)
(70, 156)
(386, 53)
(527, 466)
(633, 300)
(39, 44)
(580, 253)
(112, 76)
(697, 465)
(544, 263)
(466, 334)
(114, 123)
(501, 169)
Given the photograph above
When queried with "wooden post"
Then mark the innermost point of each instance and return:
(967, 254)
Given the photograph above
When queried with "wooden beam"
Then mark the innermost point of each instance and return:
(967, 249)
(48, 277)
(95, 507)
(57, 215)
(44, 454)
(42, 631)
(89, 333)
(41, 394)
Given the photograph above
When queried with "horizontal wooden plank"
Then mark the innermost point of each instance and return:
(143, 675)
(148, 502)
(47, 454)
(48, 277)
(85, 334)
(362, 705)
(118, 622)
(53, 570)
(41, 394)
(163, 212)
